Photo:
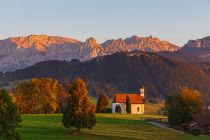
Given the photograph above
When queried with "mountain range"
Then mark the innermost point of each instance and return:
(21, 52)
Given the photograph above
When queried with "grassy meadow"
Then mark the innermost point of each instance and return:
(108, 127)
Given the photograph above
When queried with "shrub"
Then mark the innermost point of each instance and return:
(196, 131)
(161, 111)
(108, 110)
(102, 104)
(118, 109)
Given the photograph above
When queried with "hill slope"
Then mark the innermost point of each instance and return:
(122, 72)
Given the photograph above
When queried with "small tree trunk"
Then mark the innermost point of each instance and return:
(78, 130)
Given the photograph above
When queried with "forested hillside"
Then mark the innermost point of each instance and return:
(122, 72)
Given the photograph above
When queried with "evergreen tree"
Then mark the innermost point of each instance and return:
(102, 104)
(128, 105)
(118, 109)
(79, 112)
(9, 117)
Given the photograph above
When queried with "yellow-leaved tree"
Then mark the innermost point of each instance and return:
(41, 96)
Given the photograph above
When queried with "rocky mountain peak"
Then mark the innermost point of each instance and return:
(152, 39)
(39, 41)
(199, 48)
(91, 42)
(150, 44)
(132, 40)
(112, 42)
(199, 43)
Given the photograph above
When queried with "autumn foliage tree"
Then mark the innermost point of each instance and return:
(102, 104)
(39, 96)
(79, 112)
(180, 107)
(9, 117)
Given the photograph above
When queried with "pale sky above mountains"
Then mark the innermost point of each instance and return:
(176, 21)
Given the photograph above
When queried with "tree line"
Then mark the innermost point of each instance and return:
(44, 96)
(161, 75)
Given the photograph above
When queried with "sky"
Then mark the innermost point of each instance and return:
(176, 21)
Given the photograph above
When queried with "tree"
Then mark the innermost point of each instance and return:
(79, 112)
(39, 96)
(9, 117)
(128, 105)
(180, 107)
(118, 109)
(102, 104)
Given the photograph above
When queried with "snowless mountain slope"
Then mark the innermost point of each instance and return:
(21, 52)
(199, 48)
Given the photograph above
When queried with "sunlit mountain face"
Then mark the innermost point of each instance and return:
(199, 48)
(21, 52)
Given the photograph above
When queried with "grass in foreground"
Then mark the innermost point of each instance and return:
(108, 127)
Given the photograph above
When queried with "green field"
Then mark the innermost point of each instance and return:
(108, 127)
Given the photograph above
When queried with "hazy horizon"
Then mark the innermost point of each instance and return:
(174, 21)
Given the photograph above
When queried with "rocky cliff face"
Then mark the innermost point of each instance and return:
(199, 43)
(199, 48)
(149, 44)
(91, 49)
(21, 52)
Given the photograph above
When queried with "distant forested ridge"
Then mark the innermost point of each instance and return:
(123, 72)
